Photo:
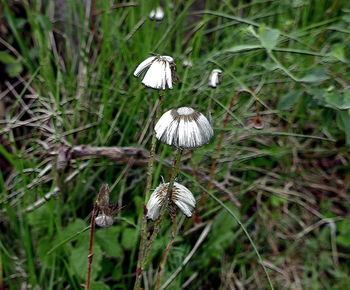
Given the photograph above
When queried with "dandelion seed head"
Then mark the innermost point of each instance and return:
(184, 128)
(159, 72)
(214, 77)
(180, 196)
(157, 14)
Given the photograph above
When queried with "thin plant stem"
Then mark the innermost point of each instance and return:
(219, 144)
(189, 256)
(91, 245)
(243, 229)
(166, 253)
(221, 139)
(99, 205)
(148, 246)
(247, 235)
(144, 224)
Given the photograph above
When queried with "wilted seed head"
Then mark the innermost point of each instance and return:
(106, 210)
(180, 196)
(160, 72)
(157, 14)
(184, 128)
(214, 78)
(187, 63)
(258, 123)
(103, 220)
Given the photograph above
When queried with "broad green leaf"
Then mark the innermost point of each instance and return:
(109, 242)
(343, 120)
(288, 100)
(129, 238)
(73, 227)
(14, 69)
(99, 286)
(314, 76)
(344, 233)
(332, 99)
(79, 256)
(338, 52)
(7, 58)
(268, 37)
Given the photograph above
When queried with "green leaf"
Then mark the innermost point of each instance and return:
(276, 201)
(338, 52)
(108, 241)
(315, 76)
(99, 286)
(129, 238)
(44, 21)
(343, 121)
(222, 233)
(332, 99)
(242, 48)
(6, 58)
(288, 100)
(78, 259)
(343, 238)
(73, 227)
(14, 69)
(268, 37)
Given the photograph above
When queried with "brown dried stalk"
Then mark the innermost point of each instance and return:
(101, 204)
(91, 244)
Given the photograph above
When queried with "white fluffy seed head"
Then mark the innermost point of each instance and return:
(157, 14)
(187, 63)
(184, 199)
(214, 77)
(180, 195)
(104, 221)
(159, 72)
(184, 128)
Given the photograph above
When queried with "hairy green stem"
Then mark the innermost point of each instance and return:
(144, 233)
(166, 253)
(148, 245)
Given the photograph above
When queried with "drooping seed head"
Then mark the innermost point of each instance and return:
(160, 72)
(214, 78)
(180, 196)
(157, 14)
(184, 128)
(104, 221)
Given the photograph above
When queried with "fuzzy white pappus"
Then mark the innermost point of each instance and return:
(214, 77)
(160, 71)
(184, 128)
(181, 196)
(157, 14)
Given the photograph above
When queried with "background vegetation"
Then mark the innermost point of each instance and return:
(67, 79)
